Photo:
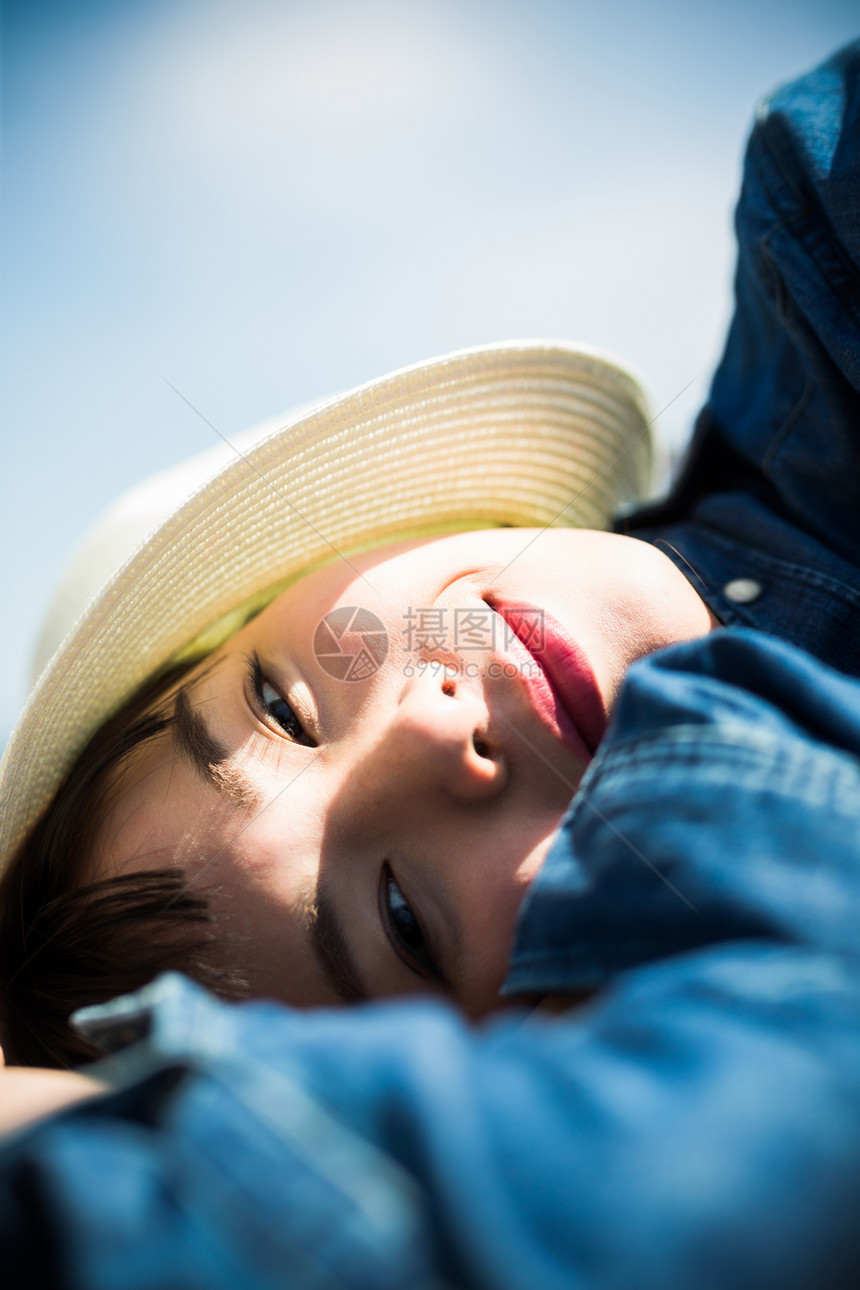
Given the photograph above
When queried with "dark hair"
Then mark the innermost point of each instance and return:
(65, 943)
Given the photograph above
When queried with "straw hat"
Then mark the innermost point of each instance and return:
(528, 434)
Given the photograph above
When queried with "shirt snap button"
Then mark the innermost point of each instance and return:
(742, 590)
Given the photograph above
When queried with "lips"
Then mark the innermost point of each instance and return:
(569, 688)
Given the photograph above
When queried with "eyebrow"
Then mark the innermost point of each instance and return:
(329, 945)
(207, 755)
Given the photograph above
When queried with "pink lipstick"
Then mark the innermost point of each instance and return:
(578, 706)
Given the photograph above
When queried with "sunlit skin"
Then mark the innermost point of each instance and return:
(28, 1095)
(438, 765)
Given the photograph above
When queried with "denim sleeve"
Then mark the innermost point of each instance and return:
(724, 808)
(696, 1125)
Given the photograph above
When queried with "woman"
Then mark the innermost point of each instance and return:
(375, 835)
(697, 1122)
(325, 814)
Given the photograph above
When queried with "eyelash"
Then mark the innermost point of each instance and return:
(415, 956)
(291, 726)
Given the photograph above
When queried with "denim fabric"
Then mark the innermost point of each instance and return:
(697, 1123)
(210, 1168)
(707, 820)
(771, 488)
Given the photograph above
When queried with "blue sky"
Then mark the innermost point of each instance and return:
(266, 202)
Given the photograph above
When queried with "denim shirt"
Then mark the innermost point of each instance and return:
(695, 1123)
(765, 519)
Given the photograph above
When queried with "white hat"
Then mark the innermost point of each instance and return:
(533, 434)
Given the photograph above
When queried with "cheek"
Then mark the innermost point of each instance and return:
(294, 616)
(336, 585)
(490, 879)
(489, 928)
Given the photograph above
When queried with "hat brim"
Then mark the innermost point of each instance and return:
(528, 434)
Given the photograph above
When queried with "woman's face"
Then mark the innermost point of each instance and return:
(368, 799)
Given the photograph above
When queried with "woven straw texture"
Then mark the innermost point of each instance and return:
(531, 434)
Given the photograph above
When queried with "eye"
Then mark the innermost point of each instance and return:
(404, 930)
(269, 703)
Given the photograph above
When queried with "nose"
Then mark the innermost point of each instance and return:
(440, 732)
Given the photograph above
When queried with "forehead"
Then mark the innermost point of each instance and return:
(259, 881)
